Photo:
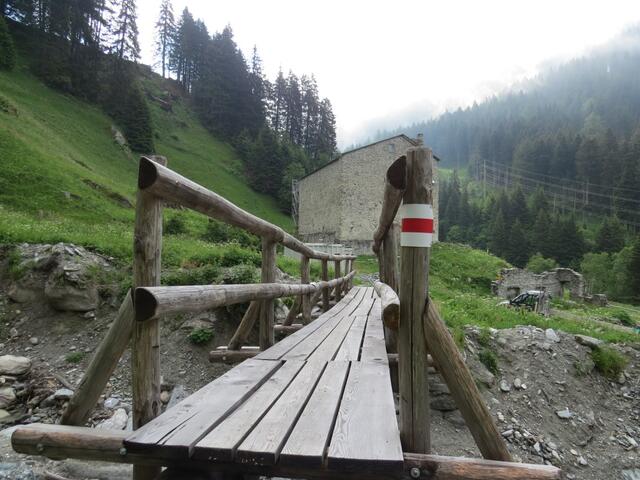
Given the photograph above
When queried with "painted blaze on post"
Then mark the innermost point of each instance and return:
(417, 225)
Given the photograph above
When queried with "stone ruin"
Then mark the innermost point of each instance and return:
(514, 281)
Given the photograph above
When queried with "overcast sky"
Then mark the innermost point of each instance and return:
(386, 62)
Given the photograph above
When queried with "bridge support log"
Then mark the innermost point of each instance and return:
(145, 351)
(325, 291)
(338, 290)
(267, 309)
(59, 442)
(293, 311)
(462, 386)
(412, 349)
(246, 325)
(102, 365)
(304, 280)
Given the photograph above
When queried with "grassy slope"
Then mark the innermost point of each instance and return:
(56, 142)
(460, 283)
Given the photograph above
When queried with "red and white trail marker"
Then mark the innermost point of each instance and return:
(417, 225)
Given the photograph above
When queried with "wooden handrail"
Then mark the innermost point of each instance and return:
(394, 187)
(390, 305)
(173, 187)
(152, 302)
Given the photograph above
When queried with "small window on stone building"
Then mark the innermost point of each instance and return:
(391, 147)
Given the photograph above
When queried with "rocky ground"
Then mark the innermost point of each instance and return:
(549, 401)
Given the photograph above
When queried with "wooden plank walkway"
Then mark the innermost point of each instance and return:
(320, 398)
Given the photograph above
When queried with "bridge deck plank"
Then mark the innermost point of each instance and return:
(306, 402)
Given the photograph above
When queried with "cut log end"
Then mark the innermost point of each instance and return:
(146, 304)
(397, 173)
(147, 173)
(391, 316)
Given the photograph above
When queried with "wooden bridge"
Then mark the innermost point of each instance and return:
(317, 404)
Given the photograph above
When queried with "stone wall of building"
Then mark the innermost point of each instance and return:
(514, 281)
(341, 202)
(320, 205)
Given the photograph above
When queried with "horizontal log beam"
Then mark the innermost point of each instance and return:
(294, 327)
(60, 442)
(174, 188)
(225, 355)
(394, 187)
(390, 305)
(151, 302)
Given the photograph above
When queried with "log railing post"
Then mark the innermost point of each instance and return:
(145, 353)
(414, 275)
(325, 291)
(338, 289)
(267, 312)
(304, 279)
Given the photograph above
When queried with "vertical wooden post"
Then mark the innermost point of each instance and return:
(267, 312)
(389, 265)
(145, 350)
(325, 291)
(306, 299)
(412, 351)
(338, 289)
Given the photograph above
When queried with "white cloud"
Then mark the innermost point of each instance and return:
(378, 59)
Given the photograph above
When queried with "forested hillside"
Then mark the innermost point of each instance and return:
(281, 130)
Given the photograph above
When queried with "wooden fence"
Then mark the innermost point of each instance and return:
(138, 318)
(419, 330)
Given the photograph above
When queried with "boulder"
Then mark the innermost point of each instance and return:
(63, 275)
(7, 396)
(444, 403)
(588, 341)
(118, 421)
(13, 365)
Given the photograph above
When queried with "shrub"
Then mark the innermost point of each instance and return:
(624, 318)
(489, 360)
(204, 275)
(458, 337)
(484, 338)
(74, 357)
(240, 274)
(201, 336)
(219, 232)
(538, 264)
(7, 49)
(175, 225)
(609, 361)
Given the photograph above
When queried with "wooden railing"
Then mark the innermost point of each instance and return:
(138, 318)
(420, 329)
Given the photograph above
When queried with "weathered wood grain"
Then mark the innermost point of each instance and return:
(151, 302)
(293, 311)
(223, 354)
(462, 386)
(394, 187)
(221, 443)
(306, 347)
(145, 345)
(325, 291)
(102, 365)
(304, 279)
(414, 285)
(310, 436)
(59, 442)
(350, 348)
(173, 187)
(366, 430)
(245, 326)
(267, 309)
(373, 346)
(390, 305)
(337, 293)
(174, 433)
(285, 345)
(263, 444)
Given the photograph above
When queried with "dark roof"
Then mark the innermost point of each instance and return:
(410, 140)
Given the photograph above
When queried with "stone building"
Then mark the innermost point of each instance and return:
(341, 201)
(514, 281)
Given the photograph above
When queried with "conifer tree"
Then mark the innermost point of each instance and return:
(124, 30)
(611, 235)
(499, 239)
(633, 269)
(165, 34)
(7, 49)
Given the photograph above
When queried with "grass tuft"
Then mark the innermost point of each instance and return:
(609, 361)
